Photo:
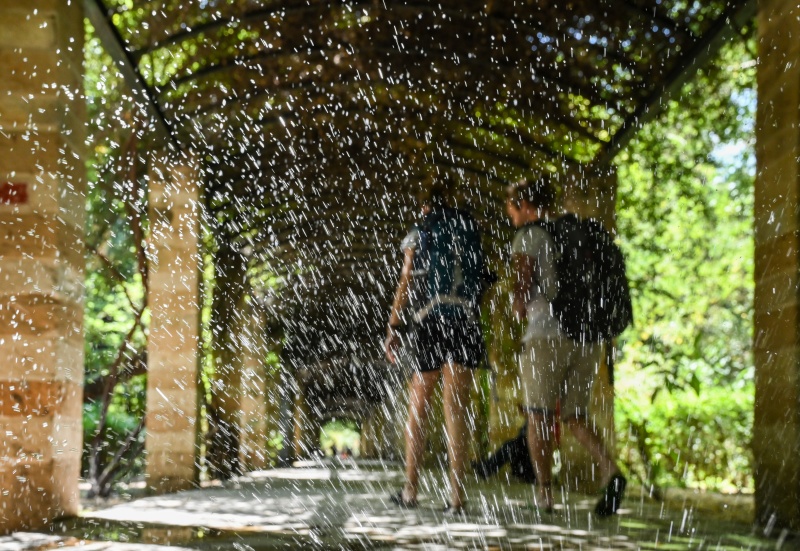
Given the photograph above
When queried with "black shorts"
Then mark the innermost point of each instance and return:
(440, 339)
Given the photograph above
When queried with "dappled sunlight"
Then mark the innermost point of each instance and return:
(334, 505)
(215, 335)
(293, 474)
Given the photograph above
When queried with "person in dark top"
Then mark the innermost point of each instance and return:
(448, 346)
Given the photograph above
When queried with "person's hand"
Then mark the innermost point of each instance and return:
(392, 344)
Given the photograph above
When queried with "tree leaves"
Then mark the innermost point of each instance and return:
(685, 217)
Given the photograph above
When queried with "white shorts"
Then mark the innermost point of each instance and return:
(558, 368)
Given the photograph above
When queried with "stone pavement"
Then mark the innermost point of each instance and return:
(344, 505)
(25, 541)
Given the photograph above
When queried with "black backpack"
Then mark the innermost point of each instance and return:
(593, 299)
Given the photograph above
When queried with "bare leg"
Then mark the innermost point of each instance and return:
(540, 446)
(456, 385)
(586, 434)
(613, 481)
(422, 386)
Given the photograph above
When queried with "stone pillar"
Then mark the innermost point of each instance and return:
(174, 300)
(382, 429)
(306, 425)
(42, 218)
(287, 390)
(505, 418)
(254, 419)
(387, 420)
(369, 445)
(591, 196)
(776, 348)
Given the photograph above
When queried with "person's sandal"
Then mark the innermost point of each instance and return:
(398, 500)
(609, 504)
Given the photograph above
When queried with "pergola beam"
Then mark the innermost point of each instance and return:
(115, 47)
(704, 49)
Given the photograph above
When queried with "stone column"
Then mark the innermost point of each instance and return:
(254, 418)
(591, 195)
(369, 444)
(286, 395)
(505, 394)
(173, 297)
(776, 434)
(382, 430)
(42, 218)
(306, 425)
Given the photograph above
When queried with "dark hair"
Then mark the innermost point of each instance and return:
(540, 193)
(433, 196)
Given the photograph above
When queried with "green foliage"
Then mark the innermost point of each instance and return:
(342, 433)
(685, 217)
(693, 440)
(108, 319)
(115, 319)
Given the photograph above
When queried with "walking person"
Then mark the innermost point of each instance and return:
(553, 364)
(442, 267)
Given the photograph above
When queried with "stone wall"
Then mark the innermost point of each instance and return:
(776, 347)
(42, 215)
(173, 298)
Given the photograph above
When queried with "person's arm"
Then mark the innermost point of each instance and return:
(524, 268)
(392, 341)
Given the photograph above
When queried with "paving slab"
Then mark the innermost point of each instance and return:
(345, 505)
(25, 541)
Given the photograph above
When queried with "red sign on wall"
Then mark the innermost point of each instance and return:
(13, 193)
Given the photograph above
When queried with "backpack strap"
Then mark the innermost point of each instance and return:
(441, 300)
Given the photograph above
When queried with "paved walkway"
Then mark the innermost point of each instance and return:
(345, 506)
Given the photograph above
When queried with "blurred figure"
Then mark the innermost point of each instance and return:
(513, 452)
(442, 268)
(553, 366)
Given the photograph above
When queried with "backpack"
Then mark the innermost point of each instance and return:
(449, 265)
(593, 300)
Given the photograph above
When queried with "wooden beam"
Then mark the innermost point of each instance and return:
(115, 46)
(723, 29)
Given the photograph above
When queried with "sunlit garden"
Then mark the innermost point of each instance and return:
(684, 376)
(399, 275)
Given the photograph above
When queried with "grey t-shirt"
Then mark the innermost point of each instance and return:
(535, 242)
(415, 300)
(411, 240)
